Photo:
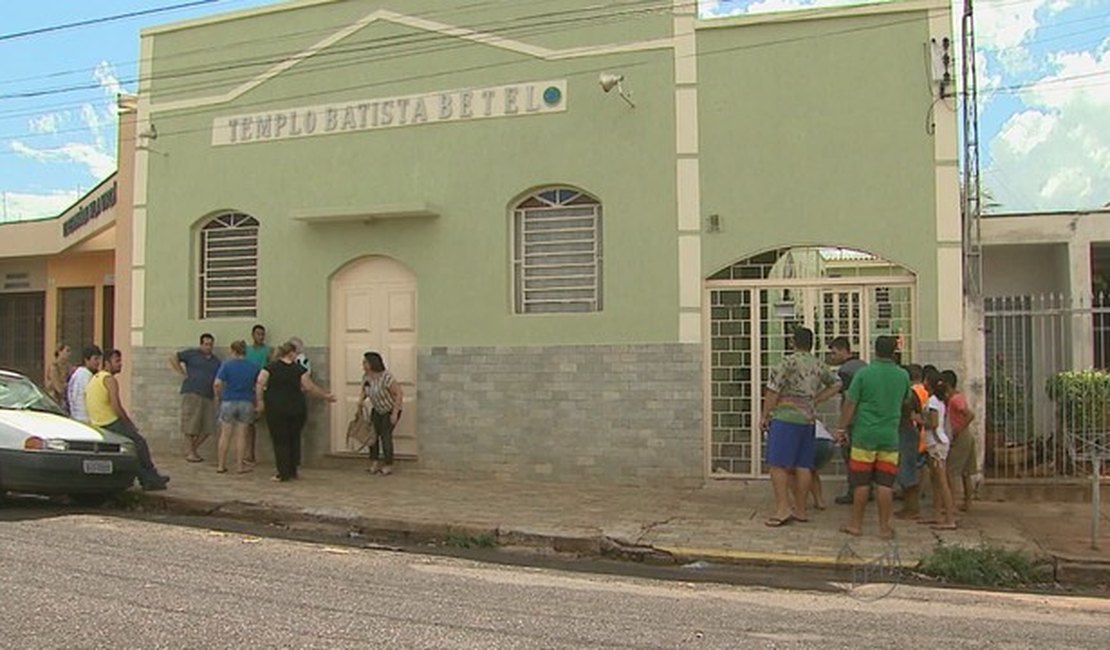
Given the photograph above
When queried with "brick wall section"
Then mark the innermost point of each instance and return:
(156, 406)
(942, 354)
(629, 414)
(626, 414)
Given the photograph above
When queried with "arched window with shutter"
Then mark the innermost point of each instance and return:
(228, 266)
(557, 252)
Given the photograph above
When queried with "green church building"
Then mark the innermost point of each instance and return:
(578, 232)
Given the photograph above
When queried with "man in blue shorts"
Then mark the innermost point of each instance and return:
(793, 391)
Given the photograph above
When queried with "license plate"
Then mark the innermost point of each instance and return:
(97, 466)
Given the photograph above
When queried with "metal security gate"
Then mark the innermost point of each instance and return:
(1047, 385)
(750, 332)
(750, 321)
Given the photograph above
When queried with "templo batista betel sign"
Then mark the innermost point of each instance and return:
(513, 100)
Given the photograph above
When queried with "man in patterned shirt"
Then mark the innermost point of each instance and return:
(793, 391)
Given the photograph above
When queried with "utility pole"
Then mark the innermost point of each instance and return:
(972, 244)
(975, 321)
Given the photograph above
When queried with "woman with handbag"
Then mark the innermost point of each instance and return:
(386, 398)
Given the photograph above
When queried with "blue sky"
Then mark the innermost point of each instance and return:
(1044, 71)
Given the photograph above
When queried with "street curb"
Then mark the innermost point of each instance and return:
(1082, 573)
(369, 527)
(685, 554)
(401, 531)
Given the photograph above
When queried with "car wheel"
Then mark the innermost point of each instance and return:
(89, 500)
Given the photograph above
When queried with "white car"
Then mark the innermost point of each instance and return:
(44, 452)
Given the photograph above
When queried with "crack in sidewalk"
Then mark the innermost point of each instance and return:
(649, 527)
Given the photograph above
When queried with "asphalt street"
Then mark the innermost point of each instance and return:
(96, 580)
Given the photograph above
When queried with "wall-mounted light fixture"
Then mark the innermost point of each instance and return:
(146, 136)
(610, 81)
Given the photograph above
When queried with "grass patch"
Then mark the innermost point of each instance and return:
(458, 540)
(985, 566)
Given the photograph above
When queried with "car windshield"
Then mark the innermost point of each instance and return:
(20, 393)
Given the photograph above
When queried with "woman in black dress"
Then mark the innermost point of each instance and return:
(280, 395)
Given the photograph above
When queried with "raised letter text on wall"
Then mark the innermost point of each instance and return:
(513, 100)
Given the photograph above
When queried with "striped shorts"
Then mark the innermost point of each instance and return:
(867, 465)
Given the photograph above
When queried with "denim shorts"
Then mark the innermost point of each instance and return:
(236, 412)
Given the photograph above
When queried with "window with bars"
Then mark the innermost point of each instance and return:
(557, 261)
(228, 267)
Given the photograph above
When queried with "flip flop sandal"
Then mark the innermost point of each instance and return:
(775, 522)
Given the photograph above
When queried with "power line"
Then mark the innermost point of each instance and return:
(558, 18)
(313, 65)
(434, 42)
(271, 37)
(104, 19)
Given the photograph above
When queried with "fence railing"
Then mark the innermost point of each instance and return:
(1047, 385)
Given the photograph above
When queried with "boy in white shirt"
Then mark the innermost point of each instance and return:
(938, 442)
(79, 381)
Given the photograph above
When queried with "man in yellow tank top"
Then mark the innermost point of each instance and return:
(106, 411)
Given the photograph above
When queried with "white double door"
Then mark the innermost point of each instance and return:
(373, 308)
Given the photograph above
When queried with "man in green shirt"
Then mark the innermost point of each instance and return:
(873, 408)
(259, 354)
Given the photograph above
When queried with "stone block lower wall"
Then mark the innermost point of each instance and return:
(627, 414)
(944, 355)
(606, 413)
(156, 406)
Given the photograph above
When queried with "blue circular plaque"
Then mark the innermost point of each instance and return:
(552, 96)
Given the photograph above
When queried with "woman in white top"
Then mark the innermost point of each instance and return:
(386, 398)
(936, 438)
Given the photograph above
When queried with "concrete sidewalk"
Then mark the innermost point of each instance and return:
(721, 522)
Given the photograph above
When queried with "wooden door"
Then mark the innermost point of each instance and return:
(373, 308)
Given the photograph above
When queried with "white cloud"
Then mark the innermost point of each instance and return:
(22, 205)
(99, 164)
(1003, 24)
(987, 81)
(1067, 183)
(105, 75)
(101, 118)
(719, 8)
(45, 123)
(1080, 79)
(1024, 131)
(767, 6)
(1055, 154)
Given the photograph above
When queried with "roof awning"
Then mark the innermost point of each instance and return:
(327, 216)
